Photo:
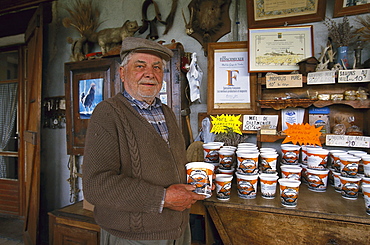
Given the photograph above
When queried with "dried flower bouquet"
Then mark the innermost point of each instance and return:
(339, 33)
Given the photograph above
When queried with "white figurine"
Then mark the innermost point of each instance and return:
(194, 77)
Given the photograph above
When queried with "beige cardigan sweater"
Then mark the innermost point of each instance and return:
(126, 167)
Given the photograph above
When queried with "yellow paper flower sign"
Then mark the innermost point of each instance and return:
(221, 123)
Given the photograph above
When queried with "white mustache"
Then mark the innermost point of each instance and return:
(154, 82)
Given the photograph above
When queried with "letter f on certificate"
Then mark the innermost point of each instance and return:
(231, 74)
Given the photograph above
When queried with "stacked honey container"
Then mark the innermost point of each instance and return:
(313, 165)
(347, 171)
(248, 164)
(253, 164)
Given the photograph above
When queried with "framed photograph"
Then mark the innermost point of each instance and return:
(231, 89)
(269, 13)
(86, 84)
(351, 7)
(279, 49)
(91, 91)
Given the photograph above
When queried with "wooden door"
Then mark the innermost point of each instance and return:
(30, 138)
(10, 170)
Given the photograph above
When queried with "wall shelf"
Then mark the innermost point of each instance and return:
(282, 104)
(273, 100)
(305, 103)
(356, 104)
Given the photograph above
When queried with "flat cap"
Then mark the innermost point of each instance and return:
(142, 45)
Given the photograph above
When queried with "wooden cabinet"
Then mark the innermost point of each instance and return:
(271, 101)
(99, 77)
(319, 218)
(175, 91)
(73, 225)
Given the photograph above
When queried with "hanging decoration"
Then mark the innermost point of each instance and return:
(194, 76)
(73, 178)
(152, 24)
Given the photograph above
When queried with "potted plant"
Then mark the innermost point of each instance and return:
(340, 34)
(229, 137)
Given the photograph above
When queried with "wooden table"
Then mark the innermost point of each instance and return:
(319, 218)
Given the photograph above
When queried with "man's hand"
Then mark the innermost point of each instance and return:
(181, 196)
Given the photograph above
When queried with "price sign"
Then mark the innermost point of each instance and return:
(323, 77)
(303, 134)
(348, 141)
(354, 76)
(256, 122)
(284, 81)
(221, 123)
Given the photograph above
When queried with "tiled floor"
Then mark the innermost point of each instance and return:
(11, 230)
(4, 241)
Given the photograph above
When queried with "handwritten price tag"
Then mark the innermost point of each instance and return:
(256, 122)
(284, 81)
(348, 141)
(303, 134)
(221, 123)
(323, 77)
(354, 76)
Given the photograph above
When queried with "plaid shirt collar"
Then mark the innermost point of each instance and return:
(152, 113)
(142, 104)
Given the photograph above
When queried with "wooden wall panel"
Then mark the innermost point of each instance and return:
(9, 196)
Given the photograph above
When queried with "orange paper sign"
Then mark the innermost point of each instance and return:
(303, 134)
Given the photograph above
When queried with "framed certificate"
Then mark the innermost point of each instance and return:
(231, 89)
(279, 49)
(350, 7)
(268, 13)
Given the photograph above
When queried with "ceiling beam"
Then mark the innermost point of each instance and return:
(15, 21)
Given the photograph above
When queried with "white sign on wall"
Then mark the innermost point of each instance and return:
(354, 76)
(284, 81)
(322, 77)
(255, 122)
(348, 141)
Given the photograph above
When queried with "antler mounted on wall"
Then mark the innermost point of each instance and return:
(152, 24)
(209, 21)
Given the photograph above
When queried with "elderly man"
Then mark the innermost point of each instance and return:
(134, 159)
